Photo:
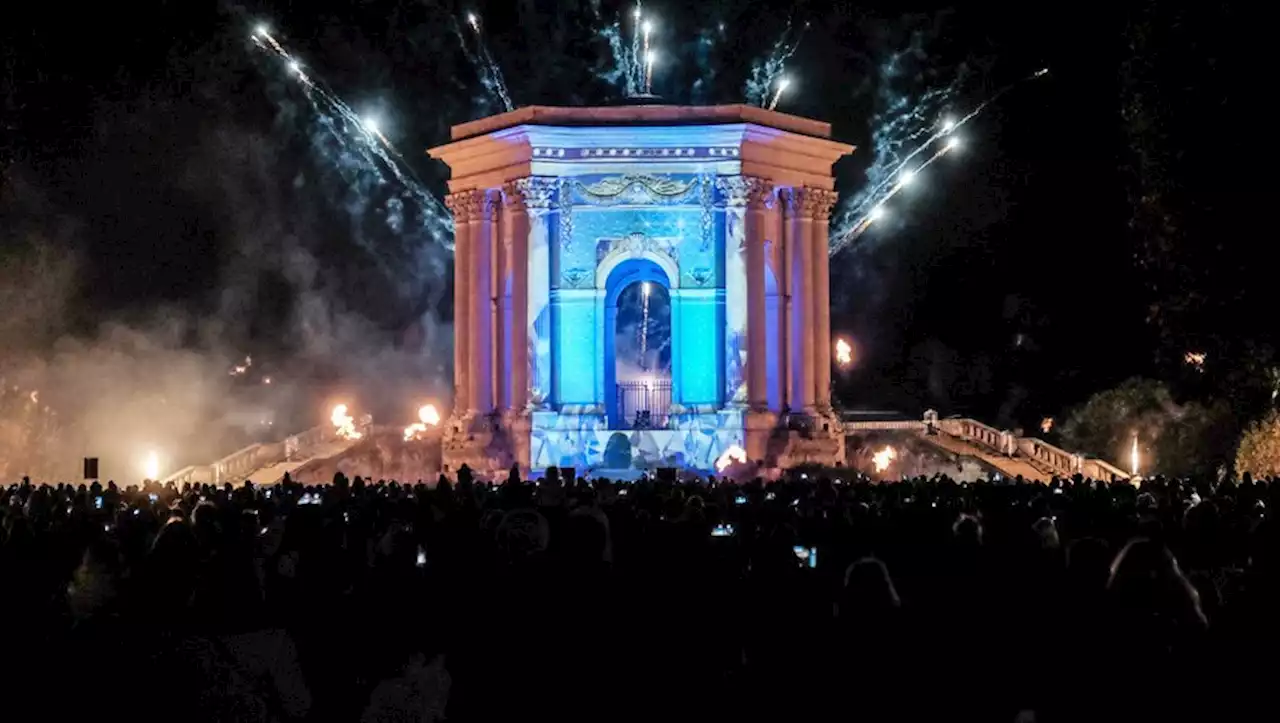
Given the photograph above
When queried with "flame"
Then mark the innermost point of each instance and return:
(1133, 457)
(1046, 425)
(344, 422)
(733, 455)
(151, 466)
(844, 353)
(1195, 359)
(882, 458)
(427, 417)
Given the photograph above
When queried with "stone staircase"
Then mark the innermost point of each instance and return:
(1013, 456)
(267, 463)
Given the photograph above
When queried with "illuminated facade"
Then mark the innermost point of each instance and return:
(559, 211)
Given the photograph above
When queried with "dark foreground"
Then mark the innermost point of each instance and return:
(929, 600)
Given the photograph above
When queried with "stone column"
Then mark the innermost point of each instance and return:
(821, 202)
(463, 205)
(520, 195)
(759, 196)
(799, 234)
(481, 347)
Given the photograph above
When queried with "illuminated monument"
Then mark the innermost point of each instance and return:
(580, 230)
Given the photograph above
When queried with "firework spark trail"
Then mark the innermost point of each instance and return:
(867, 205)
(766, 72)
(361, 144)
(633, 64)
(627, 71)
(843, 238)
(490, 73)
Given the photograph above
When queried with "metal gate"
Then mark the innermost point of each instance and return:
(644, 405)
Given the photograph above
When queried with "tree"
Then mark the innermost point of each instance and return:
(1192, 439)
(1259, 451)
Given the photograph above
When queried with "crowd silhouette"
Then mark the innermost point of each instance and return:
(807, 598)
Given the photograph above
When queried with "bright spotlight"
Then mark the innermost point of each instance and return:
(647, 27)
(293, 66)
(877, 213)
(151, 466)
(474, 21)
(261, 29)
(371, 124)
(906, 178)
(953, 143)
(948, 125)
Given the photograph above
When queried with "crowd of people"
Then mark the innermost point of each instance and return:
(807, 598)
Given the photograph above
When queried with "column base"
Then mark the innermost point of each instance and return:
(808, 439)
(488, 444)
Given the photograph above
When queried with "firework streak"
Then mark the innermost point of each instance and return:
(871, 206)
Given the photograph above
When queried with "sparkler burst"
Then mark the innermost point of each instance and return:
(783, 83)
(768, 71)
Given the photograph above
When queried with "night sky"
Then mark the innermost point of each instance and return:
(1100, 222)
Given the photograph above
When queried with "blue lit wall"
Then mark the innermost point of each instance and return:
(602, 225)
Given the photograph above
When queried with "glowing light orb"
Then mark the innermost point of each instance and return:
(1046, 425)
(948, 125)
(883, 458)
(293, 66)
(371, 125)
(733, 455)
(427, 417)
(636, 12)
(953, 143)
(474, 21)
(877, 213)
(650, 56)
(906, 177)
(645, 288)
(647, 27)
(151, 466)
(844, 353)
(261, 29)
(1041, 72)
(344, 424)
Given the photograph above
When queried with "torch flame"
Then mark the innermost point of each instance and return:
(733, 455)
(427, 417)
(1133, 457)
(844, 353)
(882, 458)
(345, 424)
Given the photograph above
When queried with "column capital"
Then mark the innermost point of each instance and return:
(749, 191)
(819, 202)
(808, 203)
(489, 204)
(464, 204)
(529, 193)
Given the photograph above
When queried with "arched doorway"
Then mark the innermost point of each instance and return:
(638, 346)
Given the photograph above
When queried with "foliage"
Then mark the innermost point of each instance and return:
(1175, 439)
(1259, 451)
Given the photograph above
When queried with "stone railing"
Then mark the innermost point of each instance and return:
(886, 426)
(1056, 460)
(981, 434)
(241, 464)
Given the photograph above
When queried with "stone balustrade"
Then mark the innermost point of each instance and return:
(1055, 460)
